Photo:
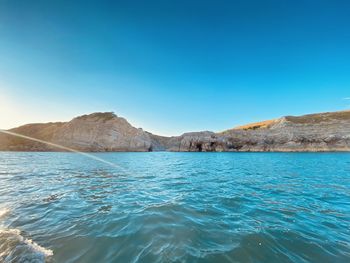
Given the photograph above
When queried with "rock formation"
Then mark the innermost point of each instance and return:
(107, 132)
(313, 132)
(102, 132)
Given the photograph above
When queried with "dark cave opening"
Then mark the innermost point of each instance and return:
(199, 147)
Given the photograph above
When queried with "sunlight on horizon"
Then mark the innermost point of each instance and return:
(13, 113)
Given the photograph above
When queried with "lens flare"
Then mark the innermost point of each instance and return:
(63, 148)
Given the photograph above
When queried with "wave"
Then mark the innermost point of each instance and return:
(4, 211)
(16, 248)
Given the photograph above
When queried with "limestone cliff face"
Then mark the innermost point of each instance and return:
(102, 132)
(107, 132)
(314, 132)
(192, 142)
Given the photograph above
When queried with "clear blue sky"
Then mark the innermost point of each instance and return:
(173, 66)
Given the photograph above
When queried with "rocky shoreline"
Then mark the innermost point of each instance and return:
(106, 132)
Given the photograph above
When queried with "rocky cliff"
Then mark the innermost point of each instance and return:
(313, 132)
(108, 132)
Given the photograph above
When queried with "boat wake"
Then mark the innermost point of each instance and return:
(16, 248)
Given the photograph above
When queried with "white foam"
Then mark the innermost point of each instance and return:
(4, 211)
(47, 252)
(14, 247)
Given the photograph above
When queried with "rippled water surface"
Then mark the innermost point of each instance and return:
(175, 207)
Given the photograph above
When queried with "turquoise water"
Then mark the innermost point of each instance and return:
(175, 207)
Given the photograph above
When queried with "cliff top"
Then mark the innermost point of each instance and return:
(304, 119)
(256, 125)
(105, 116)
(319, 117)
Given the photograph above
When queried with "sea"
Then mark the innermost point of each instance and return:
(174, 207)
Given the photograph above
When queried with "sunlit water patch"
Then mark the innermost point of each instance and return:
(175, 207)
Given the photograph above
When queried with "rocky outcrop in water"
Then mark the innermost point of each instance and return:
(108, 132)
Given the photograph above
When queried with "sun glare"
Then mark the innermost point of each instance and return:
(9, 113)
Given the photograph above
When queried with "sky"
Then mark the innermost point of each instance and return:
(173, 66)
